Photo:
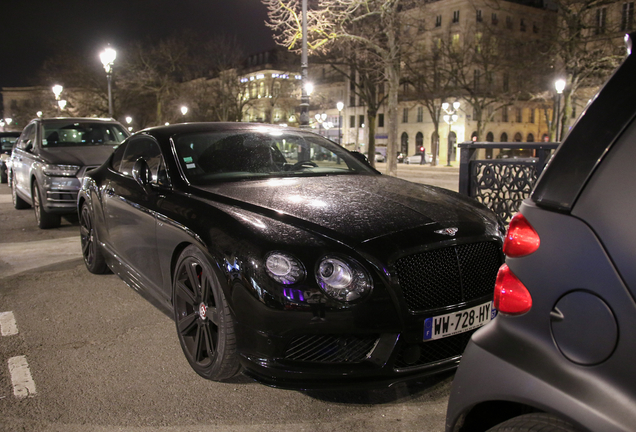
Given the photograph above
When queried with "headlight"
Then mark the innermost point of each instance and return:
(284, 268)
(60, 170)
(344, 280)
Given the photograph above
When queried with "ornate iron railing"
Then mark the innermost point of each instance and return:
(502, 183)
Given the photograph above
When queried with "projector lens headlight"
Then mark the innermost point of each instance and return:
(344, 280)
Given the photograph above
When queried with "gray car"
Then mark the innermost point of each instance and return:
(51, 157)
(7, 141)
(560, 355)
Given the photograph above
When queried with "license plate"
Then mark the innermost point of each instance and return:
(461, 321)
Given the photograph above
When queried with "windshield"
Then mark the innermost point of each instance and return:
(74, 134)
(223, 156)
(7, 143)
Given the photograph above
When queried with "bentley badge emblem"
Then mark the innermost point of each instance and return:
(448, 231)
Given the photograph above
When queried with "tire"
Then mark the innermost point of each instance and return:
(204, 324)
(18, 203)
(535, 422)
(44, 220)
(91, 251)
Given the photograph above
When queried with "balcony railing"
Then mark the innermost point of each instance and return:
(503, 182)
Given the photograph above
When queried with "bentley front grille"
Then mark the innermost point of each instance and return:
(448, 276)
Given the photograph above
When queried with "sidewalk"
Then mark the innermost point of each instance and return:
(442, 176)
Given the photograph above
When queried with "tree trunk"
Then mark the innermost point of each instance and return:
(435, 143)
(392, 107)
(159, 113)
(371, 114)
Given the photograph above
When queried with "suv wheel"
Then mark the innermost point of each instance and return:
(18, 203)
(45, 220)
(533, 423)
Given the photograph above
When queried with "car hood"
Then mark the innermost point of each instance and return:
(81, 155)
(360, 207)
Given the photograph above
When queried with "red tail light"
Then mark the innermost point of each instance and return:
(511, 296)
(521, 239)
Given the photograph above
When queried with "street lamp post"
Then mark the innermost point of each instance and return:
(57, 91)
(184, 111)
(340, 106)
(129, 120)
(450, 118)
(559, 86)
(304, 98)
(108, 58)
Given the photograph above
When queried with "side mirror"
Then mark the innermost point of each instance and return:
(141, 173)
(29, 146)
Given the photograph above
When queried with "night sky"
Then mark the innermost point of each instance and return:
(32, 30)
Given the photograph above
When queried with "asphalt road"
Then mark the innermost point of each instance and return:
(80, 352)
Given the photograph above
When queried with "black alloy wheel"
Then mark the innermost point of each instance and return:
(18, 203)
(91, 251)
(44, 220)
(204, 324)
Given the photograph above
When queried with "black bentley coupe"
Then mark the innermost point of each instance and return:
(281, 254)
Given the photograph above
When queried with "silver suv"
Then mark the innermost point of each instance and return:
(50, 159)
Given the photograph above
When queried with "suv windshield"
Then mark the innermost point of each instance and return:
(60, 134)
(222, 156)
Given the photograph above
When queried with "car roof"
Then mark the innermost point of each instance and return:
(602, 122)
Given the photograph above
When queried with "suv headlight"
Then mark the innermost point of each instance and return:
(60, 170)
(344, 280)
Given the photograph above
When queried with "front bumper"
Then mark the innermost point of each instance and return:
(315, 348)
(378, 367)
(296, 337)
(61, 192)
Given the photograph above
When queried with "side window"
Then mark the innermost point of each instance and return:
(28, 136)
(118, 154)
(149, 150)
